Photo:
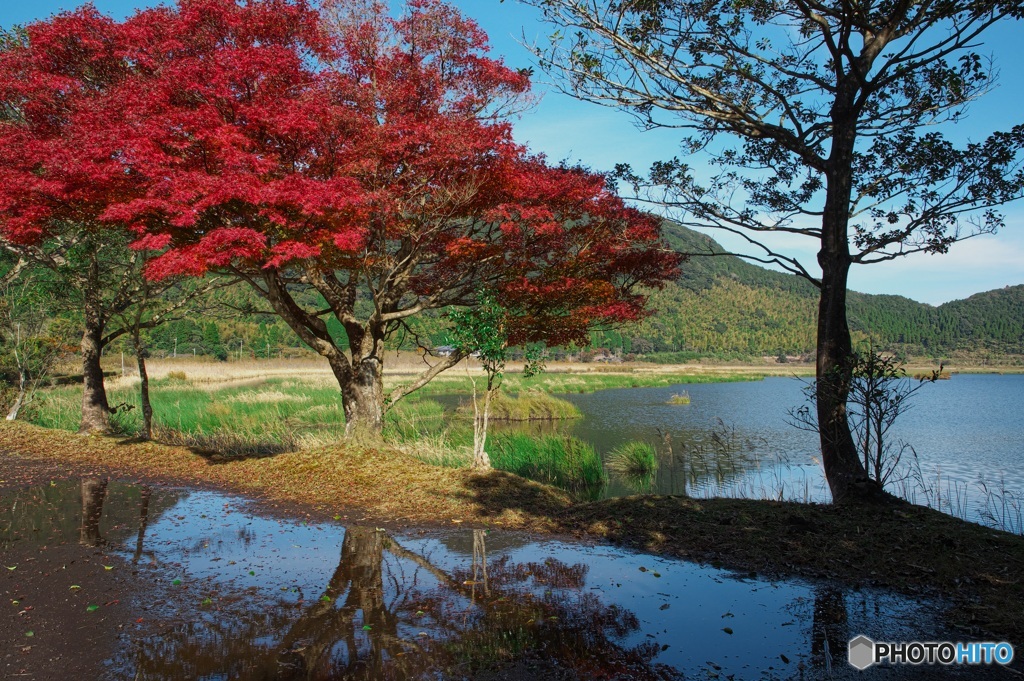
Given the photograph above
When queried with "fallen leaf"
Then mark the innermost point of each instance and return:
(92, 608)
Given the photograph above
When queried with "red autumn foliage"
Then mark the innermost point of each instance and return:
(340, 149)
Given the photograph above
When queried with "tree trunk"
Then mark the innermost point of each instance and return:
(362, 379)
(95, 408)
(362, 397)
(481, 461)
(19, 402)
(147, 407)
(840, 458)
(847, 478)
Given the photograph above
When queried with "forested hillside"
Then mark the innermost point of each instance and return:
(720, 307)
(724, 306)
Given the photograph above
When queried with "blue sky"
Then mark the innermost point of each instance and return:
(565, 129)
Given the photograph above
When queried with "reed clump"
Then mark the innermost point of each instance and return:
(634, 459)
(680, 398)
(559, 460)
(527, 406)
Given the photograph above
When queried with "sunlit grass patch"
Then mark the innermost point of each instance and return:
(558, 460)
(527, 406)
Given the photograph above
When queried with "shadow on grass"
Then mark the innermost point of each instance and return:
(497, 492)
(215, 450)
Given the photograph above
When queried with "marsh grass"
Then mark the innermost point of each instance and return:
(587, 382)
(527, 406)
(634, 460)
(558, 460)
(680, 398)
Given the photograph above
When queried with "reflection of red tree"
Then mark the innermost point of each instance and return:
(94, 492)
(532, 612)
(537, 612)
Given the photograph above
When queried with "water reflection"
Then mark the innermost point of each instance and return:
(94, 491)
(228, 594)
(388, 612)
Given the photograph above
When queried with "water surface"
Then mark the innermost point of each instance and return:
(733, 439)
(226, 592)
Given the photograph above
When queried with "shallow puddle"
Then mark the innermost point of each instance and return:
(226, 593)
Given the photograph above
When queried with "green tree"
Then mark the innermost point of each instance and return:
(212, 343)
(817, 119)
(30, 346)
(483, 332)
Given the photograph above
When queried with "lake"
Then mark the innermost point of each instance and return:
(733, 439)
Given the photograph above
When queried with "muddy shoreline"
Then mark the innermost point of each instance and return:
(911, 550)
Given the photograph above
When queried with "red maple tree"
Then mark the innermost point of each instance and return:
(61, 84)
(356, 160)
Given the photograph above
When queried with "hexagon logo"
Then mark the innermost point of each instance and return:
(862, 652)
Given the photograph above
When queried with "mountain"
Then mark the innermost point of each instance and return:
(726, 307)
(720, 307)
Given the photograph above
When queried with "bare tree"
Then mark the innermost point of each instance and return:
(880, 392)
(822, 119)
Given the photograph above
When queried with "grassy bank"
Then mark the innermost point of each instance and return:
(526, 406)
(911, 549)
(235, 411)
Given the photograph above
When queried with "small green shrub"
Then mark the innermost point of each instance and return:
(634, 459)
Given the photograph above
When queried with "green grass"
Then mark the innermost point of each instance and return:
(634, 459)
(414, 418)
(558, 460)
(272, 416)
(680, 398)
(527, 406)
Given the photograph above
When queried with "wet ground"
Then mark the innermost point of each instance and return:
(106, 579)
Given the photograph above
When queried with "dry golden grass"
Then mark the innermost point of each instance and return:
(380, 483)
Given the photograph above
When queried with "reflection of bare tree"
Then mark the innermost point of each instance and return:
(386, 619)
(480, 562)
(145, 494)
(362, 621)
(830, 630)
(94, 492)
